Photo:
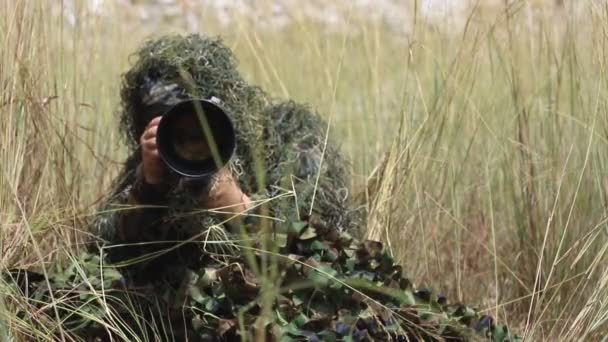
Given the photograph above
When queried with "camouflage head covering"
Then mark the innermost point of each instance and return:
(176, 67)
(191, 66)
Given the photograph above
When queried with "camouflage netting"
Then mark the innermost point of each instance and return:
(330, 287)
(164, 263)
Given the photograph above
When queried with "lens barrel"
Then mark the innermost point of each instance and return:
(196, 138)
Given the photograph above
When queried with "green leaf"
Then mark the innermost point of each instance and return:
(297, 227)
(469, 313)
(300, 320)
(294, 330)
(500, 333)
(321, 276)
(308, 233)
(336, 285)
(281, 320)
(210, 304)
(350, 265)
(196, 294)
(280, 240)
(297, 301)
(110, 275)
(366, 314)
(330, 255)
(405, 298)
(345, 239)
(318, 246)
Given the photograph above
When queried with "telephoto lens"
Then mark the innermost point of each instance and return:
(196, 138)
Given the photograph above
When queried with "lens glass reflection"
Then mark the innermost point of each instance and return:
(189, 141)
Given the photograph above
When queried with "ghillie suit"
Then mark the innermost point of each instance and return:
(279, 150)
(280, 158)
(184, 283)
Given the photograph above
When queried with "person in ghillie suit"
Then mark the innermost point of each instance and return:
(280, 158)
(280, 150)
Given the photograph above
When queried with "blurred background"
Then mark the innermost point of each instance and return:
(477, 131)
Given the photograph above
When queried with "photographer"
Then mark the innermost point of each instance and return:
(152, 220)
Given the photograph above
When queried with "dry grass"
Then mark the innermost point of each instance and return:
(492, 186)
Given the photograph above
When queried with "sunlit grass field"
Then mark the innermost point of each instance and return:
(479, 152)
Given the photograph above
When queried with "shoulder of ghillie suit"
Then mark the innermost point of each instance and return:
(318, 171)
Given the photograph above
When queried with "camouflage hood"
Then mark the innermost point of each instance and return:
(173, 68)
(189, 67)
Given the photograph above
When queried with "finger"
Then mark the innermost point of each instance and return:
(149, 144)
(151, 154)
(155, 121)
(150, 132)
